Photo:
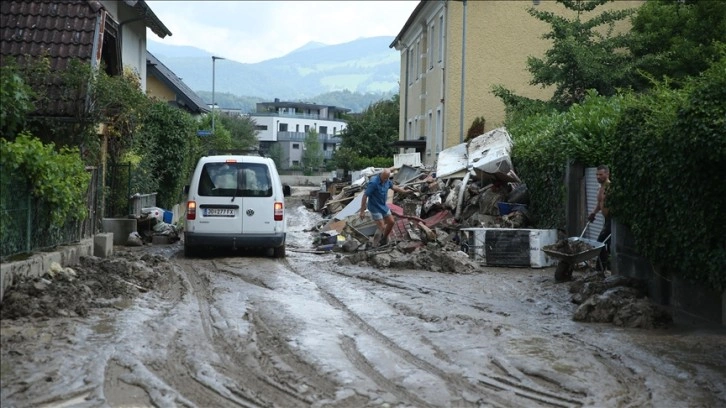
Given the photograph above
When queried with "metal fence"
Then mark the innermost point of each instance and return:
(118, 185)
(25, 221)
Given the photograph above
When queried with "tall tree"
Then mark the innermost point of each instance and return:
(676, 39)
(370, 134)
(312, 157)
(585, 54)
(275, 153)
(242, 131)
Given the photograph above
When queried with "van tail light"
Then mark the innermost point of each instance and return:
(279, 210)
(191, 210)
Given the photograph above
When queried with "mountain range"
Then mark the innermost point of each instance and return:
(355, 73)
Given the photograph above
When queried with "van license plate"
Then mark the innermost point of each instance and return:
(219, 212)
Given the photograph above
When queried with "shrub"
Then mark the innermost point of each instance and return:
(57, 177)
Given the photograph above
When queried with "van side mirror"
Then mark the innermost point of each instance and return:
(186, 189)
(286, 190)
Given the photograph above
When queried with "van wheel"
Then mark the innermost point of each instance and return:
(279, 252)
(189, 252)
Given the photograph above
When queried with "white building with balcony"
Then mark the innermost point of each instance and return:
(287, 124)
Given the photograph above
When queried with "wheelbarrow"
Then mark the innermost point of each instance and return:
(567, 261)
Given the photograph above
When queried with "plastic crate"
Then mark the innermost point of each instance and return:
(506, 208)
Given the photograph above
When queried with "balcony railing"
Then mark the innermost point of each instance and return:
(300, 136)
(297, 116)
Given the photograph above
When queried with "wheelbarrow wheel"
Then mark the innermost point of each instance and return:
(563, 272)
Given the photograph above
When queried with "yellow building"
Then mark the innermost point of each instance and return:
(485, 42)
(162, 84)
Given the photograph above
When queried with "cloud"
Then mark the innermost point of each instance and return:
(253, 31)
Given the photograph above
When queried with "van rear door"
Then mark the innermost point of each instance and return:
(257, 199)
(237, 198)
(218, 213)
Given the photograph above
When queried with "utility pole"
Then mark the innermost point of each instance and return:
(214, 104)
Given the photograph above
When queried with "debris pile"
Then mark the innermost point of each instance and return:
(618, 300)
(472, 186)
(93, 283)
(154, 227)
(569, 247)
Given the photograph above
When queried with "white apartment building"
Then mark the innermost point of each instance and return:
(287, 124)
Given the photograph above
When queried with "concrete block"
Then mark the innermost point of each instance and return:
(160, 240)
(120, 227)
(103, 245)
(39, 264)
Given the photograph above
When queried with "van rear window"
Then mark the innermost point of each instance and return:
(235, 180)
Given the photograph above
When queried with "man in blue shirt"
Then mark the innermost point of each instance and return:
(374, 199)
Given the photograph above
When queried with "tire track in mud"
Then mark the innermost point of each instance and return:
(280, 366)
(273, 349)
(189, 382)
(247, 279)
(195, 388)
(632, 384)
(489, 388)
(265, 372)
(361, 362)
(162, 377)
(259, 390)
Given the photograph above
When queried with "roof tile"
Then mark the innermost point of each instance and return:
(61, 29)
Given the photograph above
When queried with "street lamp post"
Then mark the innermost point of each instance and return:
(214, 59)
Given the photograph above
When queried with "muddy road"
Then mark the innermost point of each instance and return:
(248, 330)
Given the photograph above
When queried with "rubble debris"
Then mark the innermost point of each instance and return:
(463, 191)
(430, 258)
(426, 215)
(618, 300)
(153, 229)
(570, 247)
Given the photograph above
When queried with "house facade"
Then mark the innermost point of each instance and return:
(287, 124)
(104, 34)
(132, 19)
(453, 52)
(162, 84)
(108, 35)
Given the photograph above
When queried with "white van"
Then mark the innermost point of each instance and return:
(235, 201)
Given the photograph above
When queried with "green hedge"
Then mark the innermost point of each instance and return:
(667, 151)
(545, 143)
(669, 177)
(55, 176)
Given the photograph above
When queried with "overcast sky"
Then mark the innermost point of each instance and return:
(254, 31)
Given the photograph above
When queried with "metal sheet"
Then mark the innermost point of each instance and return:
(451, 161)
(405, 174)
(591, 189)
(487, 155)
(490, 151)
(352, 208)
